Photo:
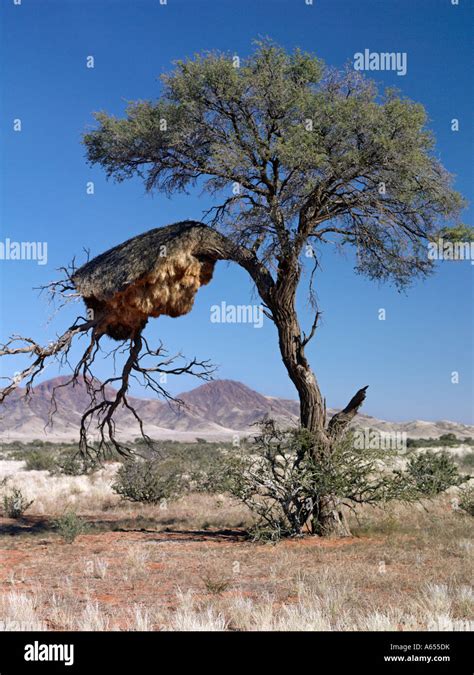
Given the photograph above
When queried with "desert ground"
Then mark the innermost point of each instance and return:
(188, 565)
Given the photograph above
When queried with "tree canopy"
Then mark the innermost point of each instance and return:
(295, 152)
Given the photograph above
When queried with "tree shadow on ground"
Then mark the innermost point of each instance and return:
(41, 525)
(35, 525)
(169, 535)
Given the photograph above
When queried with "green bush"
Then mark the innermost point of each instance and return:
(466, 499)
(69, 526)
(15, 503)
(448, 439)
(467, 461)
(433, 472)
(282, 485)
(57, 461)
(149, 480)
(70, 463)
(39, 460)
(167, 470)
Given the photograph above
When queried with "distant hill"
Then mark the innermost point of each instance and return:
(215, 410)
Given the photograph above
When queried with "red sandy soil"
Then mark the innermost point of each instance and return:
(34, 559)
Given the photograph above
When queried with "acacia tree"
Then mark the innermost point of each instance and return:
(295, 154)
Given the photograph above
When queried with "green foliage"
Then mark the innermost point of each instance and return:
(282, 483)
(149, 481)
(21, 451)
(15, 503)
(445, 440)
(40, 460)
(457, 234)
(433, 472)
(300, 139)
(467, 461)
(69, 526)
(466, 499)
(73, 464)
(448, 438)
(55, 458)
(172, 469)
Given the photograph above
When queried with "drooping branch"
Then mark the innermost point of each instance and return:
(17, 345)
(153, 274)
(106, 401)
(98, 436)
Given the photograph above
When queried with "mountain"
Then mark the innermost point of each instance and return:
(215, 410)
(233, 405)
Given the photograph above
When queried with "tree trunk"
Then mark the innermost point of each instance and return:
(279, 297)
(328, 518)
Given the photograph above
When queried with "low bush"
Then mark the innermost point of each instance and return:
(39, 460)
(15, 503)
(149, 480)
(433, 472)
(467, 461)
(69, 526)
(466, 499)
(281, 483)
(445, 440)
(70, 463)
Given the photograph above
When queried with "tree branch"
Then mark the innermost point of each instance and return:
(341, 420)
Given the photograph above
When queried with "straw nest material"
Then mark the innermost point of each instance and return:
(155, 273)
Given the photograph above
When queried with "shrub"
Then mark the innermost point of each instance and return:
(433, 472)
(467, 461)
(149, 480)
(447, 440)
(15, 503)
(39, 460)
(166, 470)
(466, 499)
(69, 526)
(71, 463)
(216, 583)
(281, 483)
(57, 461)
(268, 533)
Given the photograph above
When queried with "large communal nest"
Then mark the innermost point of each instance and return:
(155, 273)
(158, 272)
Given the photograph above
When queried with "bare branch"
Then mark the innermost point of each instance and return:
(340, 420)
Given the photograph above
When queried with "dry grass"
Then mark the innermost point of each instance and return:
(53, 495)
(189, 567)
(18, 612)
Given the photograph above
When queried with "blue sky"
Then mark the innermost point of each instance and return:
(407, 359)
